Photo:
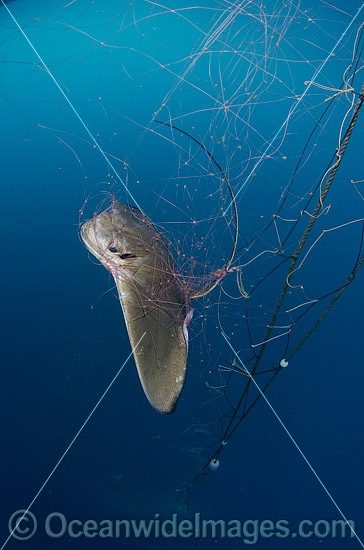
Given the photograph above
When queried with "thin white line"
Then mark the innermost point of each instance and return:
(315, 75)
(294, 442)
(72, 107)
(70, 445)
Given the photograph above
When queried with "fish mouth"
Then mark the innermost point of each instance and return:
(90, 243)
(88, 235)
(89, 238)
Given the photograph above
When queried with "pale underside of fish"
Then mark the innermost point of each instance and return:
(153, 298)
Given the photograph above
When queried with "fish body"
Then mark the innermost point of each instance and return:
(152, 296)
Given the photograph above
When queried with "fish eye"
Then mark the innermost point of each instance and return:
(112, 249)
(127, 256)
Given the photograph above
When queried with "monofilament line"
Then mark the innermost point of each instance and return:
(70, 445)
(295, 444)
(73, 108)
(298, 101)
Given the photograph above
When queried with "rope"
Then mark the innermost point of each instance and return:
(295, 257)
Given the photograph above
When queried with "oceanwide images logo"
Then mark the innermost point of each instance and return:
(23, 525)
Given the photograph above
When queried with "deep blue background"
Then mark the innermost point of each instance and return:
(63, 336)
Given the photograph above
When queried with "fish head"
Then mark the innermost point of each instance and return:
(122, 238)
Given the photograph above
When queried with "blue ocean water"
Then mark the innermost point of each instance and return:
(80, 87)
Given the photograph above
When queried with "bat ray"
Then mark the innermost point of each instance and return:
(153, 299)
